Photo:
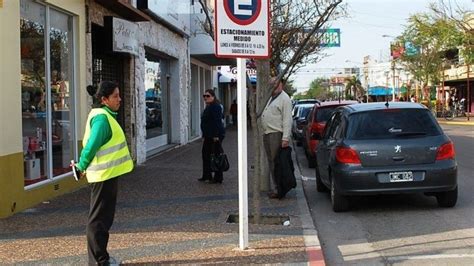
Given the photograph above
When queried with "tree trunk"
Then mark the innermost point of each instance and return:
(260, 174)
(256, 166)
(263, 87)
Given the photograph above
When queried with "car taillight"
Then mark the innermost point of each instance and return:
(347, 155)
(446, 151)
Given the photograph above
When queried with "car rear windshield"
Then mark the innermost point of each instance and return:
(324, 113)
(392, 123)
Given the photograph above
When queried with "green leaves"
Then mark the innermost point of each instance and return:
(432, 35)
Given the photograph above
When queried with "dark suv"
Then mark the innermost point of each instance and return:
(298, 118)
(380, 148)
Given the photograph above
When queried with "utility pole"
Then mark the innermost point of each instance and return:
(393, 79)
(442, 90)
(468, 93)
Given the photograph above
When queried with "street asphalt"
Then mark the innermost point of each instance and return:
(400, 229)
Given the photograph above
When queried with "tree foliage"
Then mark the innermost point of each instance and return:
(463, 19)
(318, 89)
(354, 89)
(289, 88)
(432, 36)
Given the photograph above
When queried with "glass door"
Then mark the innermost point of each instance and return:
(156, 100)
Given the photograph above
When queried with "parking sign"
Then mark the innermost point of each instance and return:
(242, 28)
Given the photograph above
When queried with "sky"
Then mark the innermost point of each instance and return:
(362, 34)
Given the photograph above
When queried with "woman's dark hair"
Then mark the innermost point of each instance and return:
(106, 89)
(213, 94)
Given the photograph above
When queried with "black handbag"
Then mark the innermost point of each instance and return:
(219, 161)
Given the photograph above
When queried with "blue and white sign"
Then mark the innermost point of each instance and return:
(242, 28)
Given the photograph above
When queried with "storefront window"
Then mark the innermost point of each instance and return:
(46, 85)
(60, 77)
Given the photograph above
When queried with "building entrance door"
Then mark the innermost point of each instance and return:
(108, 66)
(157, 104)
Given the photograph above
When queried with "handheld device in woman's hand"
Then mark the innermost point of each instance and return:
(76, 172)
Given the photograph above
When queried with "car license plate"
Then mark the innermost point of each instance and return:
(401, 176)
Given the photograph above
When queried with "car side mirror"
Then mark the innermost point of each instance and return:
(302, 121)
(316, 136)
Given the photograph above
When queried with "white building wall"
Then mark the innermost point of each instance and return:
(382, 74)
(175, 48)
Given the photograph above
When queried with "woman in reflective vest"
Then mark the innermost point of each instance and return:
(104, 157)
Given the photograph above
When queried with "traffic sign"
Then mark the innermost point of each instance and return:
(242, 28)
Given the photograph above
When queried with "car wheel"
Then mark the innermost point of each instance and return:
(339, 202)
(320, 187)
(447, 199)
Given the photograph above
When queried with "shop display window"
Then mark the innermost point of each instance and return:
(47, 90)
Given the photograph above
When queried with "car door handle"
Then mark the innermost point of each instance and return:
(398, 158)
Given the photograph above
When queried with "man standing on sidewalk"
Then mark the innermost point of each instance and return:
(276, 124)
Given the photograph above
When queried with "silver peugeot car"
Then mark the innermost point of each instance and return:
(381, 148)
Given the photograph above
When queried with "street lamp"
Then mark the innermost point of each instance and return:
(393, 69)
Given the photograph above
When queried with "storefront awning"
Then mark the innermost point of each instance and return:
(125, 10)
(212, 60)
(379, 91)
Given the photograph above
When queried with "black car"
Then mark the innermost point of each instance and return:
(297, 126)
(380, 148)
(153, 114)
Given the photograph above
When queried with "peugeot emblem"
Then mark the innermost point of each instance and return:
(398, 149)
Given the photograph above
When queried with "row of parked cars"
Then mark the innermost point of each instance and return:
(375, 148)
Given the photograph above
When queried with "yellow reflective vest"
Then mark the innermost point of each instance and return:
(113, 158)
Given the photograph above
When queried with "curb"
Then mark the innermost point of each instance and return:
(458, 123)
(310, 234)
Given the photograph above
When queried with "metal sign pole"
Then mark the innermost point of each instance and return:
(242, 143)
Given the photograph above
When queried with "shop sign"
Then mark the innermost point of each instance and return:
(330, 38)
(338, 80)
(124, 36)
(411, 49)
(229, 74)
(396, 50)
(242, 28)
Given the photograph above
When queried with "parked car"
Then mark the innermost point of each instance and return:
(314, 123)
(297, 126)
(297, 103)
(380, 148)
(153, 114)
